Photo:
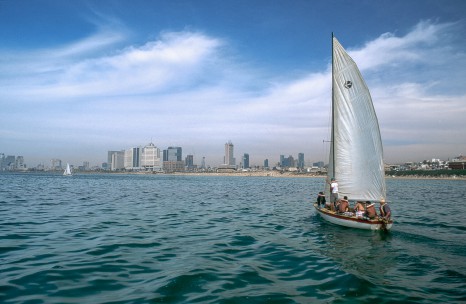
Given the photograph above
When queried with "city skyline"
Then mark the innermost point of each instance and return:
(80, 78)
(154, 159)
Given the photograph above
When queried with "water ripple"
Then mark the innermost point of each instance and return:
(151, 239)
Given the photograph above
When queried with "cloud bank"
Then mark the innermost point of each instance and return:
(191, 89)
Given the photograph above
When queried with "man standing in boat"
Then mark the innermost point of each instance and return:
(333, 192)
(385, 212)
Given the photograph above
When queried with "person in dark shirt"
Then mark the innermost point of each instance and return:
(385, 211)
(321, 199)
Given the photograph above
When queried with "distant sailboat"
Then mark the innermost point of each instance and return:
(67, 171)
(356, 159)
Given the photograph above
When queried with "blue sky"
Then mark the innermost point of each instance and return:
(79, 78)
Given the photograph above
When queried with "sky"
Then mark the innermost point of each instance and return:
(80, 78)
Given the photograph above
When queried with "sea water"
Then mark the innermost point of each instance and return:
(110, 238)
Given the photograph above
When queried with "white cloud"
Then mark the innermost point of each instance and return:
(185, 89)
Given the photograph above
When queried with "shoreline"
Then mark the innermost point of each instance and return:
(272, 174)
(299, 175)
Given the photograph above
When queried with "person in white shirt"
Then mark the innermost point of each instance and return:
(333, 192)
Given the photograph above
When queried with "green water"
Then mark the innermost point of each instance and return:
(197, 239)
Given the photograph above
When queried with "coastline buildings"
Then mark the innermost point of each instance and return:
(301, 161)
(203, 167)
(172, 159)
(245, 161)
(150, 158)
(137, 158)
(229, 162)
(56, 164)
(116, 160)
(266, 163)
(12, 163)
(229, 159)
(189, 163)
(133, 158)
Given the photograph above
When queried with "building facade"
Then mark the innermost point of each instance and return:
(116, 160)
(173, 154)
(245, 161)
(133, 158)
(150, 158)
(301, 160)
(172, 159)
(229, 158)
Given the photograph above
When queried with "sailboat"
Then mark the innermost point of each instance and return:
(356, 153)
(67, 171)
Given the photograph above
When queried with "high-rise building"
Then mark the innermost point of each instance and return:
(266, 163)
(172, 154)
(287, 162)
(189, 162)
(172, 160)
(282, 161)
(245, 161)
(133, 158)
(116, 160)
(150, 158)
(229, 159)
(203, 163)
(301, 160)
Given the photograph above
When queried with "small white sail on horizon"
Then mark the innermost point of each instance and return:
(67, 171)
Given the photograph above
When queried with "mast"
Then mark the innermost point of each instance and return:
(332, 138)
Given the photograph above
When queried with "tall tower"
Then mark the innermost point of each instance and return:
(203, 163)
(229, 158)
(301, 160)
(189, 161)
(246, 161)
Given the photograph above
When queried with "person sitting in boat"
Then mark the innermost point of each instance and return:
(385, 212)
(343, 206)
(321, 199)
(359, 209)
(370, 210)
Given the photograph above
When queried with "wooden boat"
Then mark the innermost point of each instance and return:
(356, 153)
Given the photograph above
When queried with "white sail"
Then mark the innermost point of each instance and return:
(356, 155)
(67, 170)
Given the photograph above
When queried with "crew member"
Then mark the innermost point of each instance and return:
(321, 199)
(385, 212)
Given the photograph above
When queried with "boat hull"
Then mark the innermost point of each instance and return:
(352, 221)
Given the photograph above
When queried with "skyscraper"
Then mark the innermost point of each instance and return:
(266, 163)
(115, 160)
(229, 159)
(301, 160)
(133, 158)
(172, 154)
(245, 161)
(172, 160)
(189, 162)
(150, 159)
(203, 163)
